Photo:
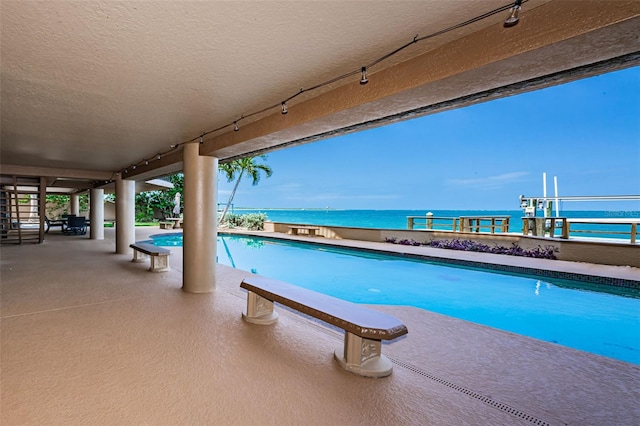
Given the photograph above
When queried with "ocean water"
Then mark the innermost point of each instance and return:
(397, 219)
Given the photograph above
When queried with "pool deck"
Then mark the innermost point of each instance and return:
(88, 337)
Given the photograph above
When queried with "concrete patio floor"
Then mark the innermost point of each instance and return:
(88, 337)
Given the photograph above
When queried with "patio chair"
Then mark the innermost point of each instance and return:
(56, 222)
(76, 225)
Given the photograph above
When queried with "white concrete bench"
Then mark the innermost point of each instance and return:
(159, 257)
(364, 328)
(309, 230)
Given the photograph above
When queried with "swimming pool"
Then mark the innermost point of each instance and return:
(568, 313)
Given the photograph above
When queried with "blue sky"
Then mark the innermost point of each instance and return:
(587, 133)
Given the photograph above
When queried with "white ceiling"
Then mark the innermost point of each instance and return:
(99, 85)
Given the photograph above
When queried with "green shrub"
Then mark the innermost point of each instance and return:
(233, 220)
(254, 221)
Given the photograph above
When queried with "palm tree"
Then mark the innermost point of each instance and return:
(246, 165)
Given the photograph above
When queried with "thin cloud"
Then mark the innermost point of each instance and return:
(490, 182)
(292, 186)
(333, 197)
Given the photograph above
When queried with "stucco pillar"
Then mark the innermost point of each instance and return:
(74, 207)
(199, 221)
(125, 214)
(96, 212)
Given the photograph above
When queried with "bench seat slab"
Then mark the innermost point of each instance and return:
(363, 357)
(310, 230)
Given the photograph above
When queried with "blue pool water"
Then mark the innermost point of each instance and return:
(596, 319)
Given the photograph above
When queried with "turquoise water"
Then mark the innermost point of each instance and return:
(397, 219)
(564, 312)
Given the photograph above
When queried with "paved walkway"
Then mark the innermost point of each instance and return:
(89, 337)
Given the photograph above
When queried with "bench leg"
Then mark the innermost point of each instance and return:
(363, 356)
(138, 256)
(259, 310)
(159, 263)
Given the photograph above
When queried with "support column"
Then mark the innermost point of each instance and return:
(96, 212)
(42, 207)
(125, 214)
(74, 207)
(199, 221)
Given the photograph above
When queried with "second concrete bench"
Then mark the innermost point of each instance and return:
(159, 256)
(364, 328)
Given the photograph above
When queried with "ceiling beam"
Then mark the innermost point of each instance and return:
(556, 36)
(10, 169)
(168, 164)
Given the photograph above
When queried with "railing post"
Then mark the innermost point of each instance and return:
(429, 220)
(634, 231)
(410, 223)
(565, 228)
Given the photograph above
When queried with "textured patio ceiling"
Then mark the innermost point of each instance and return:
(94, 87)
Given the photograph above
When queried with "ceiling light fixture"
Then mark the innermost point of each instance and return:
(284, 108)
(513, 18)
(235, 126)
(363, 79)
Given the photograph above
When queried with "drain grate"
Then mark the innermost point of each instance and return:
(495, 404)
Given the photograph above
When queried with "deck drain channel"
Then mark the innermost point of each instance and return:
(495, 404)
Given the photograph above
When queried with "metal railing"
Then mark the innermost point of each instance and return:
(565, 227)
(487, 224)
(481, 224)
(432, 222)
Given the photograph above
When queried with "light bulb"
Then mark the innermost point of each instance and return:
(363, 79)
(513, 18)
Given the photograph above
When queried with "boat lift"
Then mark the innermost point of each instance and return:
(548, 224)
(531, 204)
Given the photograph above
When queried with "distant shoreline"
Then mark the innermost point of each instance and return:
(622, 212)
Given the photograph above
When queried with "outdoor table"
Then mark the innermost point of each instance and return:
(176, 221)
